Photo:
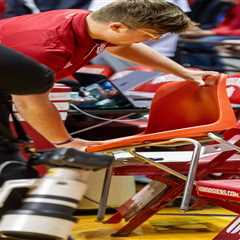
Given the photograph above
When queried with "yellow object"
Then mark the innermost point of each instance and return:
(159, 227)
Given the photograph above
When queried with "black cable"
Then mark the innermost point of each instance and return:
(100, 118)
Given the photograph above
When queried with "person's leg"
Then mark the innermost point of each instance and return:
(18, 75)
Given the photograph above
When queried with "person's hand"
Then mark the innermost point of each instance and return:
(79, 144)
(198, 76)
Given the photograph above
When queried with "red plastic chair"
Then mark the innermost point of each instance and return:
(182, 109)
(179, 110)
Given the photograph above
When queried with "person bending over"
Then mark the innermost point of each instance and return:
(65, 40)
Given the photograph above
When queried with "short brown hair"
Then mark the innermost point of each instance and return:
(159, 15)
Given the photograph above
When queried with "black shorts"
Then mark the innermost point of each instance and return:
(21, 75)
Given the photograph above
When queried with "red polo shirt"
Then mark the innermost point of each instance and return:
(58, 39)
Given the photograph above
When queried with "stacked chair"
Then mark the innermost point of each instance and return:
(184, 117)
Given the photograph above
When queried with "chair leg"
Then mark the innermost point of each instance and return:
(132, 206)
(149, 210)
(105, 193)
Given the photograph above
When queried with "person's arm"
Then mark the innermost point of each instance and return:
(43, 116)
(144, 55)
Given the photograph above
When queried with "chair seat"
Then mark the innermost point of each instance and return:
(220, 189)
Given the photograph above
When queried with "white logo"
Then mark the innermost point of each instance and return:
(218, 191)
(234, 228)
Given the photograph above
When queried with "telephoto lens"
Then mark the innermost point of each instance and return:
(47, 209)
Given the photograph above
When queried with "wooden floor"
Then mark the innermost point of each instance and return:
(159, 227)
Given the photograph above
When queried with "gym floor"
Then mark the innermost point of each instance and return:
(161, 227)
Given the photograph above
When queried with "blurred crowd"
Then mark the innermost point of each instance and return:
(11, 8)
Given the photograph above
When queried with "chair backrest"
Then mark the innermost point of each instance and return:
(182, 109)
(184, 104)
